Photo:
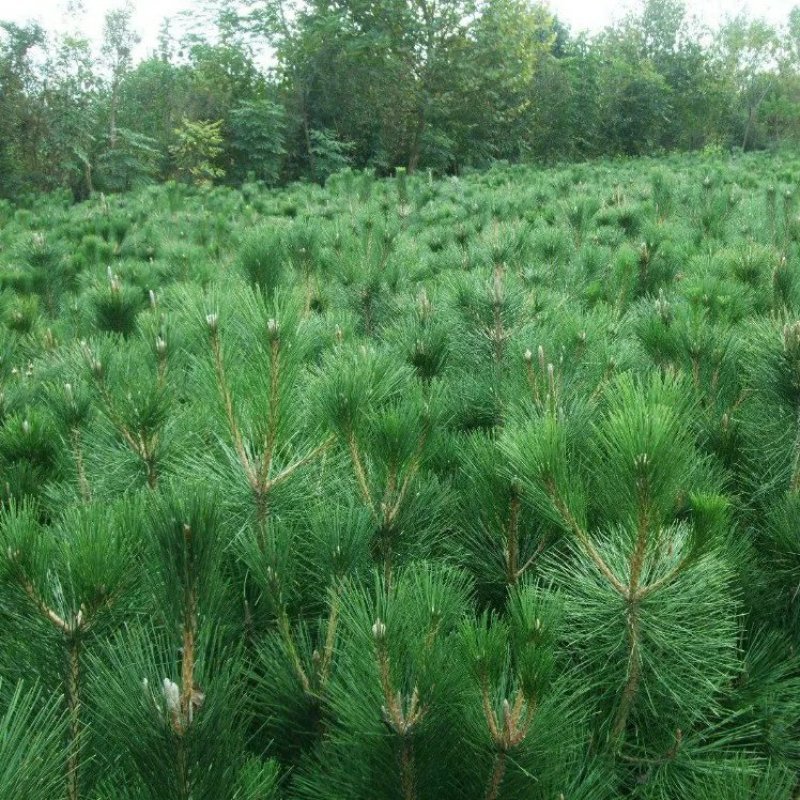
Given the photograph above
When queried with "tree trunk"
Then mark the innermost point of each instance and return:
(87, 174)
(112, 132)
(747, 128)
(416, 143)
(752, 111)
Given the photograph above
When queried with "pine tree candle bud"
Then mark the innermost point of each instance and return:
(528, 356)
(272, 327)
(641, 464)
(663, 308)
(212, 320)
(379, 630)
(791, 339)
(26, 427)
(338, 334)
(68, 391)
(540, 355)
(425, 304)
(113, 281)
(152, 296)
(161, 346)
(97, 368)
(172, 695)
(707, 182)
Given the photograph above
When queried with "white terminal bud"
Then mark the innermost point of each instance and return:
(212, 320)
(378, 630)
(272, 327)
(528, 356)
(172, 695)
(161, 346)
(26, 427)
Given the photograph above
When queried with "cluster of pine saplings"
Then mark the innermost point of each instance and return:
(484, 488)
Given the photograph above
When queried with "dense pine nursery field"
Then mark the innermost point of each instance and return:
(484, 487)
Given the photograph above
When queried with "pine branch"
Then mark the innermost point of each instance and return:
(41, 605)
(631, 688)
(74, 709)
(77, 454)
(496, 778)
(274, 389)
(512, 538)
(642, 526)
(330, 638)
(540, 548)
(144, 449)
(227, 401)
(285, 628)
(584, 539)
(287, 472)
(72, 631)
(361, 475)
(506, 734)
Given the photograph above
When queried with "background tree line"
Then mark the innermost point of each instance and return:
(277, 90)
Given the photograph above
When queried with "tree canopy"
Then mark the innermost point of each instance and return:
(300, 88)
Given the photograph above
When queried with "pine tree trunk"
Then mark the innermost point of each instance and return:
(73, 707)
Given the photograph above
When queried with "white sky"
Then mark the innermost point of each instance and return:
(588, 15)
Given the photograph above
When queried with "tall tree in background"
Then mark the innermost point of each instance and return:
(119, 39)
(19, 123)
(747, 50)
(401, 62)
(512, 43)
(71, 96)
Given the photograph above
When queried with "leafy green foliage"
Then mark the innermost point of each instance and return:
(476, 488)
(198, 147)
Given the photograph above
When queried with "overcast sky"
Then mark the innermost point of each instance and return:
(588, 15)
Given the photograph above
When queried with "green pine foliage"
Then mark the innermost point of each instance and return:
(485, 488)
